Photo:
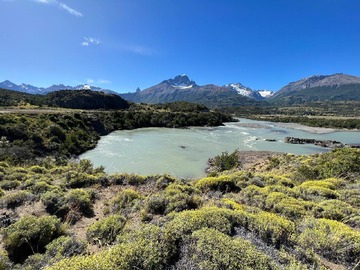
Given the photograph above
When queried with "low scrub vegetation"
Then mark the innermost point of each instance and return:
(70, 215)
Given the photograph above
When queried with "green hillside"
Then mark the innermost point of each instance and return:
(349, 92)
(74, 99)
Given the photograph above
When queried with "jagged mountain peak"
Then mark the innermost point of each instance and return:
(180, 81)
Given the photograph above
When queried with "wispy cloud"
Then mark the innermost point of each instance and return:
(89, 40)
(61, 6)
(97, 82)
(104, 81)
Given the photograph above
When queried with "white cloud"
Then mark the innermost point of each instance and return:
(104, 82)
(89, 40)
(97, 82)
(61, 6)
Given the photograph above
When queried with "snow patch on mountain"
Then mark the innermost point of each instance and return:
(266, 93)
(242, 90)
(182, 86)
(181, 82)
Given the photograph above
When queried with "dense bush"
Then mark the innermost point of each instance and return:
(60, 248)
(55, 202)
(211, 249)
(16, 199)
(104, 231)
(80, 200)
(124, 201)
(330, 238)
(30, 234)
(222, 183)
(336, 210)
(227, 161)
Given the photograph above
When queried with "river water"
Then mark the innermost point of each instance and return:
(184, 152)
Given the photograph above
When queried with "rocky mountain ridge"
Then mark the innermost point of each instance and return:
(30, 89)
(335, 87)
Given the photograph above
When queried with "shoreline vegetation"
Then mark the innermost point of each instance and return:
(254, 210)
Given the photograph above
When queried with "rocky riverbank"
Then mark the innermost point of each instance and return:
(248, 160)
(322, 143)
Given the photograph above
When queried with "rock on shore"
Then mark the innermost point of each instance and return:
(322, 143)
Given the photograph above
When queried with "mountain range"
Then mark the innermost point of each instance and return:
(30, 89)
(333, 87)
(181, 88)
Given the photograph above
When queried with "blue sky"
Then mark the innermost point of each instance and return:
(125, 44)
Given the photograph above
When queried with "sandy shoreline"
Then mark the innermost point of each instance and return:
(315, 130)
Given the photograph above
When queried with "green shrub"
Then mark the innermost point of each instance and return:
(211, 249)
(5, 263)
(181, 197)
(55, 202)
(35, 261)
(351, 196)
(164, 181)
(272, 228)
(9, 184)
(222, 183)
(335, 209)
(231, 204)
(134, 179)
(146, 248)
(254, 195)
(223, 220)
(2, 192)
(284, 205)
(30, 234)
(13, 200)
(124, 201)
(273, 179)
(80, 200)
(75, 179)
(41, 187)
(227, 161)
(38, 169)
(331, 239)
(315, 190)
(64, 247)
(156, 204)
(343, 163)
(104, 231)
(4, 164)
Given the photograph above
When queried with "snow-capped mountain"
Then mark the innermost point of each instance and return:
(181, 88)
(27, 88)
(245, 91)
(30, 89)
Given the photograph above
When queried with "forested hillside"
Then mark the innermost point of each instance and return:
(67, 133)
